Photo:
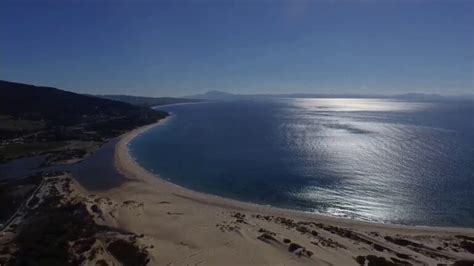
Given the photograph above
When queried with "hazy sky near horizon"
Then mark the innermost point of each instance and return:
(176, 48)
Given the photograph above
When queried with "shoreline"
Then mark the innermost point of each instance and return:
(127, 165)
(179, 226)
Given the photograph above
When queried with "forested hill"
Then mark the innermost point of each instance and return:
(63, 107)
(38, 120)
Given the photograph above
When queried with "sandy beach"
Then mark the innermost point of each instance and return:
(183, 227)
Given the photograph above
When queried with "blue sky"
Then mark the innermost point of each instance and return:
(175, 48)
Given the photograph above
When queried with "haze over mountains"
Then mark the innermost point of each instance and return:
(221, 95)
(44, 96)
(147, 101)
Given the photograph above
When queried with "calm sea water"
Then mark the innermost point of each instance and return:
(377, 160)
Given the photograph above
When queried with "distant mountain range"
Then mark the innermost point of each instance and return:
(147, 101)
(221, 95)
(218, 95)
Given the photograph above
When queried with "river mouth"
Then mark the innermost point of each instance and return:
(366, 159)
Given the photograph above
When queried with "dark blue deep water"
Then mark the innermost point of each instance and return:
(369, 159)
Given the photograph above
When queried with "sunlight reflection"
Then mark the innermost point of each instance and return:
(354, 105)
(357, 153)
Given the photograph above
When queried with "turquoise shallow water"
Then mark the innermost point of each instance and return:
(369, 159)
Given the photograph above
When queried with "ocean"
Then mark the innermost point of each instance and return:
(378, 160)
